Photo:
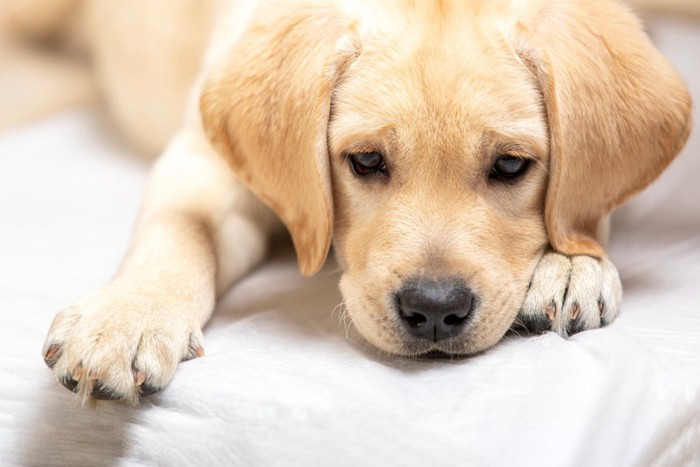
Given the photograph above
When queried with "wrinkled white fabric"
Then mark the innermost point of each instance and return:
(285, 382)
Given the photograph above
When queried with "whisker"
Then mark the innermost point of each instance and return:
(339, 306)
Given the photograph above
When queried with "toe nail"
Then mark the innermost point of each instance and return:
(194, 346)
(51, 355)
(78, 372)
(601, 306)
(139, 377)
(193, 352)
(551, 310)
(575, 310)
(93, 375)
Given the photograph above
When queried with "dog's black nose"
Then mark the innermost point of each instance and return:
(434, 309)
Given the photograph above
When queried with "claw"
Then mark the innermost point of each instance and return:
(145, 389)
(78, 372)
(194, 346)
(551, 310)
(139, 377)
(575, 310)
(52, 355)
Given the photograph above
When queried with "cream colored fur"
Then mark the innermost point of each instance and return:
(259, 110)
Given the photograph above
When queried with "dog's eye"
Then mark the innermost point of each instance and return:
(365, 163)
(509, 168)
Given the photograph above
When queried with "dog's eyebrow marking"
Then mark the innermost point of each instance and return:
(349, 136)
(364, 147)
(514, 150)
(525, 138)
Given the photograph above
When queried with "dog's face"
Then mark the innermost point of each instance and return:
(438, 187)
(443, 148)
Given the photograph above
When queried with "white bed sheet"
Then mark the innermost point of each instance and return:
(284, 382)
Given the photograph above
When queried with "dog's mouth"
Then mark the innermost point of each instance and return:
(455, 347)
(441, 355)
(439, 321)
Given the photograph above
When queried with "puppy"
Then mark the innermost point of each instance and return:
(462, 158)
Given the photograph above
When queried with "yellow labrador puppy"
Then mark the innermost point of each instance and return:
(461, 156)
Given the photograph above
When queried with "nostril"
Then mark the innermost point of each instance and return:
(413, 319)
(434, 309)
(454, 319)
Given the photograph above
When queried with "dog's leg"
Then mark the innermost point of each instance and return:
(200, 229)
(571, 294)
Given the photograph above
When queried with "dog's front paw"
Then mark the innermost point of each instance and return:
(571, 294)
(119, 344)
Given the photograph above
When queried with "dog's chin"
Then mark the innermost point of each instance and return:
(416, 348)
(471, 340)
(440, 355)
(449, 348)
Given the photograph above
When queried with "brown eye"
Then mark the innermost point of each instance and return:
(508, 168)
(365, 163)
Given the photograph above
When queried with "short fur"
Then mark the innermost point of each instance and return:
(282, 92)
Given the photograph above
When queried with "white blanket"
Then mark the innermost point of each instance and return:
(286, 382)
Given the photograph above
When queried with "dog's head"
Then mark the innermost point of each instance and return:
(443, 148)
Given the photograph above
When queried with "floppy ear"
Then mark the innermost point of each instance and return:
(266, 109)
(618, 113)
